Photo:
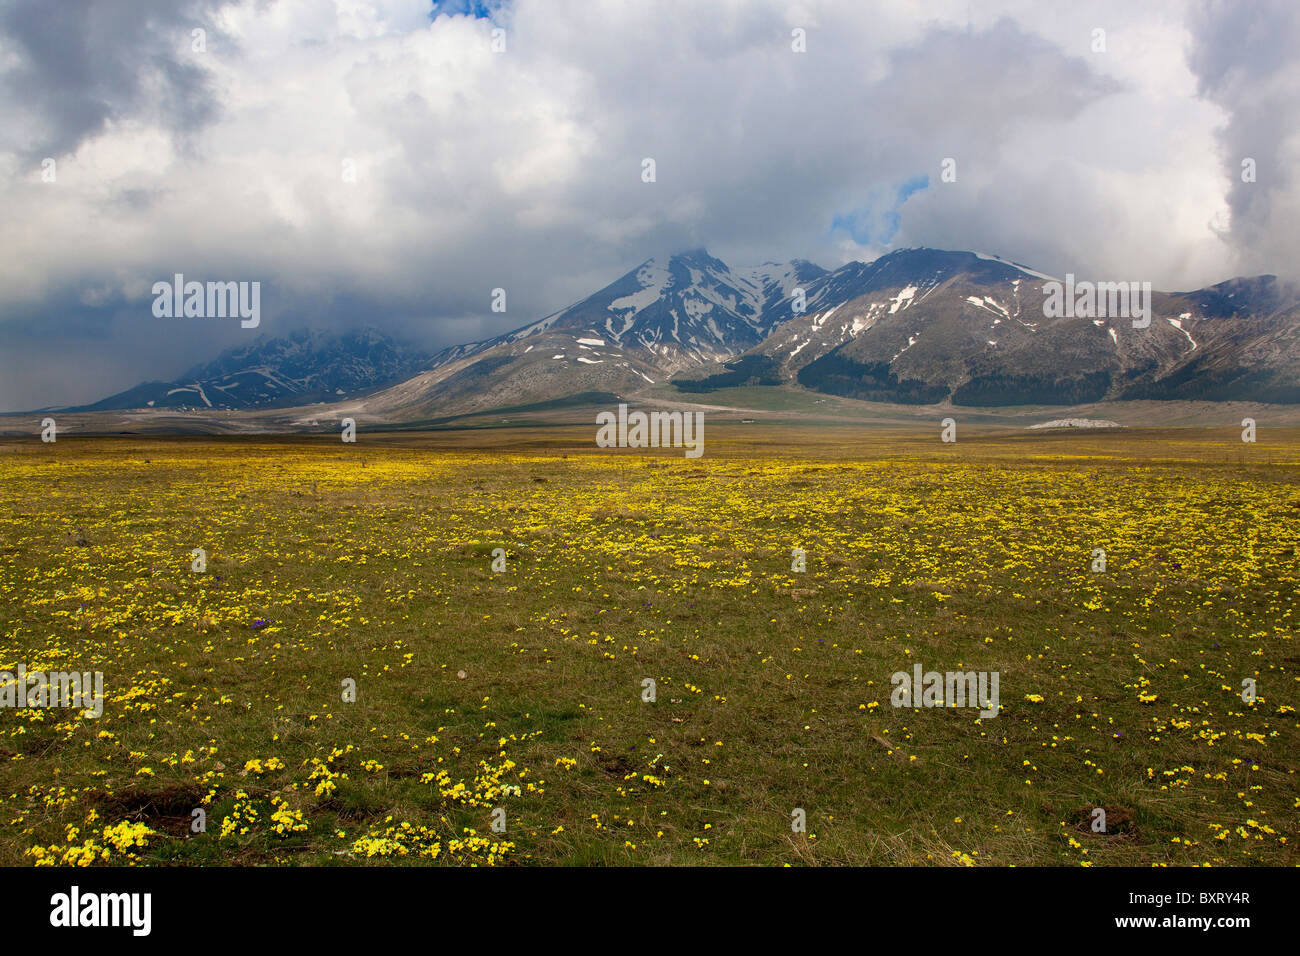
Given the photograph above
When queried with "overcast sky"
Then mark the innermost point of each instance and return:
(1115, 155)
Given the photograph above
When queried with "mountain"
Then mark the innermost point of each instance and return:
(664, 316)
(300, 368)
(679, 313)
(921, 326)
(916, 326)
(1246, 334)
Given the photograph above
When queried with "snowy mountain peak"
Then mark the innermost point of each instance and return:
(914, 326)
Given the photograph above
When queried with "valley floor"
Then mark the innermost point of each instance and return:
(371, 565)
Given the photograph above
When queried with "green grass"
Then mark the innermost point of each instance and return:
(373, 562)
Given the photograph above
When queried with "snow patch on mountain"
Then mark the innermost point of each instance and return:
(1177, 323)
(903, 299)
(1015, 265)
(911, 340)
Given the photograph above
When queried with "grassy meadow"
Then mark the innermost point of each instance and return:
(522, 689)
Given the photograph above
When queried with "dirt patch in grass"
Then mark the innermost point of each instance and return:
(38, 744)
(168, 810)
(1121, 822)
(617, 764)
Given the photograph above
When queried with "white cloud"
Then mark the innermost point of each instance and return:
(522, 169)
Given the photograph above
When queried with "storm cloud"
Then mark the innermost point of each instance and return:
(390, 163)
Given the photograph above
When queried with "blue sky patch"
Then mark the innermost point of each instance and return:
(479, 9)
(877, 222)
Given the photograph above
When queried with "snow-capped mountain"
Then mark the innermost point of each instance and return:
(662, 317)
(680, 312)
(915, 326)
(920, 326)
(858, 297)
(302, 367)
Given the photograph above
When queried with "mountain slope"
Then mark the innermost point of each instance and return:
(916, 326)
(302, 367)
(661, 317)
(921, 326)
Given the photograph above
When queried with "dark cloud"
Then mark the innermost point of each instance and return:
(1245, 60)
(522, 170)
(86, 63)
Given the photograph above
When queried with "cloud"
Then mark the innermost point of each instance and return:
(377, 163)
(877, 222)
(76, 67)
(1245, 62)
